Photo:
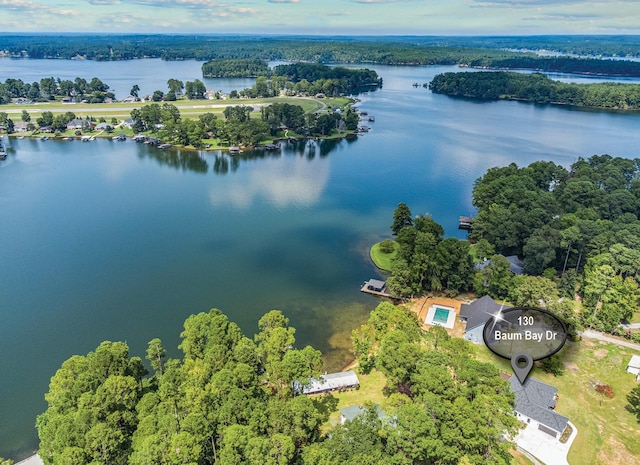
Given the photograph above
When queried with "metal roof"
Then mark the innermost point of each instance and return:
(332, 381)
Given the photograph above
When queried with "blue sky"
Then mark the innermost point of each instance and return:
(324, 17)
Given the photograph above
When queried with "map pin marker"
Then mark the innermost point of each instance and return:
(522, 364)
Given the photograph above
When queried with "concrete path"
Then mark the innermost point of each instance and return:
(601, 337)
(631, 326)
(545, 448)
(33, 460)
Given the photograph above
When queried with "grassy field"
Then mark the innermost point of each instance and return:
(188, 108)
(383, 260)
(607, 433)
(370, 390)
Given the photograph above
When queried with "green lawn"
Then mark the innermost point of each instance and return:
(383, 260)
(370, 390)
(188, 108)
(607, 433)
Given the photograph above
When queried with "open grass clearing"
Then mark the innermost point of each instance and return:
(607, 433)
(382, 259)
(191, 107)
(370, 390)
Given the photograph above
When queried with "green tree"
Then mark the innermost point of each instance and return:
(634, 402)
(26, 117)
(401, 218)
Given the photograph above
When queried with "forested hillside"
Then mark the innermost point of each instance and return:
(233, 400)
(536, 88)
(577, 230)
(469, 51)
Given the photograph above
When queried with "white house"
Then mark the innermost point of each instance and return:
(332, 382)
(633, 366)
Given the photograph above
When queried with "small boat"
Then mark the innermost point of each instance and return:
(20, 137)
(372, 119)
(67, 138)
(164, 146)
(87, 138)
(3, 155)
(119, 137)
(234, 150)
(44, 138)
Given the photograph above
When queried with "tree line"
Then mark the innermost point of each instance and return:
(49, 88)
(235, 68)
(238, 127)
(231, 399)
(561, 64)
(536, 88)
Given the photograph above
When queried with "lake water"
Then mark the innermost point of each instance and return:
(120, 241)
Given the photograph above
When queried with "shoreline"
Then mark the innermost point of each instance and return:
(213, 148)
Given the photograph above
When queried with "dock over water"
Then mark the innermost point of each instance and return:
(376, 287)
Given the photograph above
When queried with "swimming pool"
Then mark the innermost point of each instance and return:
(441, 315)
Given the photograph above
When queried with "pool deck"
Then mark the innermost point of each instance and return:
(421, 308)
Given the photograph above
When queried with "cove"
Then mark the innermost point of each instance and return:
(118, 241)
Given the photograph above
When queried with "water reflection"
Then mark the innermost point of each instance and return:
(285, 181)
(179, 159)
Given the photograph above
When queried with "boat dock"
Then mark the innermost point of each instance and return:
(376, 287)
(465, 222)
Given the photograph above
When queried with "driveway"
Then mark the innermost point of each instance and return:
(601, 337)
(544, 447)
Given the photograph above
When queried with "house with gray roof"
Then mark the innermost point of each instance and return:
(516, 265)
(332, 382)
(476, 314)
(535, 403)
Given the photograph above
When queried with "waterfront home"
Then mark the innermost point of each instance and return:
(332, 382)
(476, 314)
(75, 124)
(102, 127)
(128, 123)
(21, 126)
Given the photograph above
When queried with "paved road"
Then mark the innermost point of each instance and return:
(601, 337)
(631, 326)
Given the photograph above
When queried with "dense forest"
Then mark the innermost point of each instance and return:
(233, 400)
(577, 230)
(471, 51)
(238, 127)
(536, 88)
(589, 66)
(233, 68)
(425, 261)
(317, 78)
(49, 88)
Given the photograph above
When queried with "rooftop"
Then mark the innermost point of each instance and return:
(479, 311)
(536, 400)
